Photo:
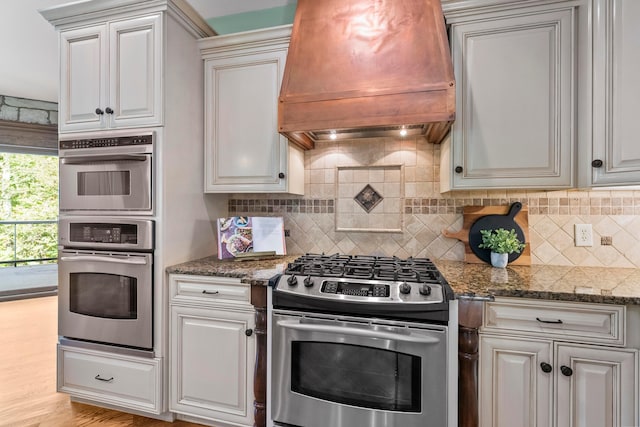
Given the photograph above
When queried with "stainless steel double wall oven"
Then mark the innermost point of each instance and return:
(106, 241)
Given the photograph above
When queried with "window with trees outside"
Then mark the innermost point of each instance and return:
(28, 209)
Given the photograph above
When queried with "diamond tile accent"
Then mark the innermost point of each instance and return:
(375, 207)
(368, 198)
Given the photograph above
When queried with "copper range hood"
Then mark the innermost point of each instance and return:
(364, 68)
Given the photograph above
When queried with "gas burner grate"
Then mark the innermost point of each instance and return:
(330, 269)
(365, 267)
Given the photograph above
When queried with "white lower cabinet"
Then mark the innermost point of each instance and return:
(212, 348)
(560, 380)
(514, 391)
(596, 386)
(112, 379)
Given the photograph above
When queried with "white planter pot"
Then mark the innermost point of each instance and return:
(499, 260)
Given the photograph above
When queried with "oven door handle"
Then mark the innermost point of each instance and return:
(80, 160)
(93, 258)
(296, 325)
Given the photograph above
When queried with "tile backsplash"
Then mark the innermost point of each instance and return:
(409, 219)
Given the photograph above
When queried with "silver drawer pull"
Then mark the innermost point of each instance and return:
(103, 379)
(210, 292)
(555, 322)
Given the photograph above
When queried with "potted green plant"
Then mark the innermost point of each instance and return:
(501, 242)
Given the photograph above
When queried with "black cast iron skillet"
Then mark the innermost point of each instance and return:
(493, 222)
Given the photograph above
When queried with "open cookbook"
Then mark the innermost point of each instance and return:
(242, 236)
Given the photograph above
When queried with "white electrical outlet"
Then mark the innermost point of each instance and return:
(583, 235)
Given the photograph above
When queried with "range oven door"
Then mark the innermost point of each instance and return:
(345, 372)
(106, 297)
(106, 183)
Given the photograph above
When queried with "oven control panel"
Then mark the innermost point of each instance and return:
(104, 233)
(357, 289)
(360, 290)
(118, 141)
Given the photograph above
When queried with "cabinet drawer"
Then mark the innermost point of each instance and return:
(592, 323)
(120, 380)
(207, 290)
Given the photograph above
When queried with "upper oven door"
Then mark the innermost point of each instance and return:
(106, 183)
(356, 372)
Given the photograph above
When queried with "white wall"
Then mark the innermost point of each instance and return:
(28, 50)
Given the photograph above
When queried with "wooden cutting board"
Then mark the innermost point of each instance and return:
(471, 214)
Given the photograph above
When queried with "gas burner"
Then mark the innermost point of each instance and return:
(359, 268)
(395, 273)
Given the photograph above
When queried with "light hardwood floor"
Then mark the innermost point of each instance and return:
(28, 397)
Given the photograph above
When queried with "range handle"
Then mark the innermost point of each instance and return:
(95, 258)
(345, 330)
(81, 160)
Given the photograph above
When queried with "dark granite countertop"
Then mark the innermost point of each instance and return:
(255, 272)
(546, 282)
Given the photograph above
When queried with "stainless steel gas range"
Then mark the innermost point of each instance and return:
(363, 341)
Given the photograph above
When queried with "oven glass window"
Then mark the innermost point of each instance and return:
(104, 183)
(355, 375)
(103, 295)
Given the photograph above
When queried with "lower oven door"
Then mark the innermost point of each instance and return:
(106, 297)
(347, 372)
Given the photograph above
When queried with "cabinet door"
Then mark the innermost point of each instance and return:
(135, 60)
(514, 98)
(514, 390)
(244, 151)
(616, 92)
(212, 364)
(600, 388)
(83, 77)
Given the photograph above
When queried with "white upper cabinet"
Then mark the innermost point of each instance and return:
(515, 96)
(83, 78)
(111, 75)
(615, 158)
(243, 150)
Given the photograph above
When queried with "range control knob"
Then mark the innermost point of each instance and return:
(405, 288)
(308, 282)
(292, 280)
(425, 290)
